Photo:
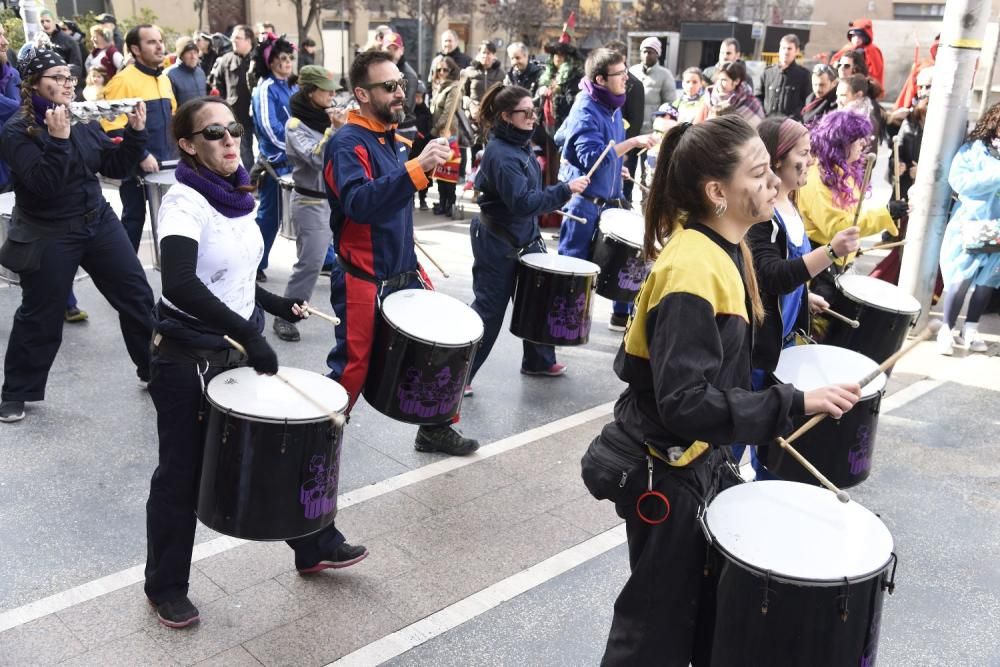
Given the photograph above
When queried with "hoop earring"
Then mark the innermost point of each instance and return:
(720, 209)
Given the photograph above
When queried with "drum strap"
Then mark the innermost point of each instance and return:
(501, 232)
(601, 202)
(306, 192)
(398, 281)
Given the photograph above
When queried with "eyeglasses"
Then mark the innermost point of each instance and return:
(528, 113)
(441, 69)
(388, 86)
(216, 131)
(926, 86)
(285, 58)
(847, 65)
(62, 79)
(623, 72)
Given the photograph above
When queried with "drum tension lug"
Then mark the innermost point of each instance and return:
(890, 585)
(767, 590)
(284, 436)
(845, 599)
(707, 571)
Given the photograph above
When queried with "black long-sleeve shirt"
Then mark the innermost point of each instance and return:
(56, 179)
(686, 356)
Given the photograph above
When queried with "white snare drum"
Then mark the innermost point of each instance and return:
(157, 185)
(287, 184)
(424, 345)
(801, 576)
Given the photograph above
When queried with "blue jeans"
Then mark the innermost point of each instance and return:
(268, 214)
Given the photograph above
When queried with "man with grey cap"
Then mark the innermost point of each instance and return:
(658, 81)
(313, 120)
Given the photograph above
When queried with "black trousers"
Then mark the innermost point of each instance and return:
(664, 614)
(173, 490)
(101, 247)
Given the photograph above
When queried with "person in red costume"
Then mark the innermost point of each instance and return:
(860, 36)
(909, 91)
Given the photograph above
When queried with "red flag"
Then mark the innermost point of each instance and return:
(566, 37)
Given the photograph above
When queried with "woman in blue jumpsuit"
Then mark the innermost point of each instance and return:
(511, 199)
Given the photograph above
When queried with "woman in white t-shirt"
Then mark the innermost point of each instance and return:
(782, 254)
(210, 246)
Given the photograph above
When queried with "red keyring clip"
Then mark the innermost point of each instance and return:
(642, 515)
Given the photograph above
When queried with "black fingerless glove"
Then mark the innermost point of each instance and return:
(898, 208)
(277, 305)
(260, 355)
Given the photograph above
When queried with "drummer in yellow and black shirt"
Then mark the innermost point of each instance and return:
(686, 359)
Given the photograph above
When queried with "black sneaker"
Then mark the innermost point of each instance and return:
(261, 276)
(11, 411)
(618, 322)
(176, 613)
(423, 205)
(444, 439)
(75, 315)
(345, 556)
(286, 330)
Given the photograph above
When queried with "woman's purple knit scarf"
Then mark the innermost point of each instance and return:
(220, 192)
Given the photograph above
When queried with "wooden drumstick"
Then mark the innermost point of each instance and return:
(642, 187)
(433, 261)
(600, 158)
(335, 417)
(842, 495)
(854, 324)
(929, 330)
(577, 218)
(869, 165)
(883, 246)
(332, 319)
(895, 172)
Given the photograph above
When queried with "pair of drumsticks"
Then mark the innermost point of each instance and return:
(786, 443)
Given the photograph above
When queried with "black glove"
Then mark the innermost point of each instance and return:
(898, 209)
(277, 305)
(260, 355)
(285, 310)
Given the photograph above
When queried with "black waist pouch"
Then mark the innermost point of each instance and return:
(22, 251)
(613, 469)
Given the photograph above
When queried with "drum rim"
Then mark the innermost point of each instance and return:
(792, 579)
(522, 262)
(450, 346)
(624, 241)
(876, 306)
(267, 420)
(773, 373)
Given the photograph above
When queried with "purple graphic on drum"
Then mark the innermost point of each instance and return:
(860, 455)
(630, 277)
(319, 494)
(429, 397)
(569, 319)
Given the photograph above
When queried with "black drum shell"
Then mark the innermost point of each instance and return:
(404, 378)
(842, 449)
(881, 332)
(804, 623)
(263, 480)
(536, 310)
(616, 257)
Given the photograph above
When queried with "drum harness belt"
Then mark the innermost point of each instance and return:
(306, 192)
(502, 232)
(398, 281)
(602, 203)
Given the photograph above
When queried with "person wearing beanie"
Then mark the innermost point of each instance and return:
(186, 78)
(62, 222)
(658, 81)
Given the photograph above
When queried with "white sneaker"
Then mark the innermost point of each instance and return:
(978, 345)
(945, 342)
(971, 334)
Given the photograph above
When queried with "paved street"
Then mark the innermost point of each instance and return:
(501, 558)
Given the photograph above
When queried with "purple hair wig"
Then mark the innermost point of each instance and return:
(831, 142)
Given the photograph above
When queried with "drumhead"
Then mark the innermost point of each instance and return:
(266, 398)
(878, 293)
(798, 531)
(624, 225)
(165, 177)
(571, 266)
(7, 203)
(810, 367)
(432, 317)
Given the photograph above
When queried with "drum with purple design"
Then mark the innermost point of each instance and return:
(271, 462)
(618, 252)
(553, 299)
(842, 449)
(424, 345)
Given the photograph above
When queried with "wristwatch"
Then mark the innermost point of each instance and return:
(830, 253)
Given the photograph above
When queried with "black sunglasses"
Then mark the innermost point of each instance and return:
(215, 131)
(387, 86)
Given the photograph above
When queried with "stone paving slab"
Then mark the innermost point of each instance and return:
(432, 543)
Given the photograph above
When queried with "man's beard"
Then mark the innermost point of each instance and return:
(385, 114)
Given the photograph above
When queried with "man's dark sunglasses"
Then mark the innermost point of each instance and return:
(215, 131)
(387, 86)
